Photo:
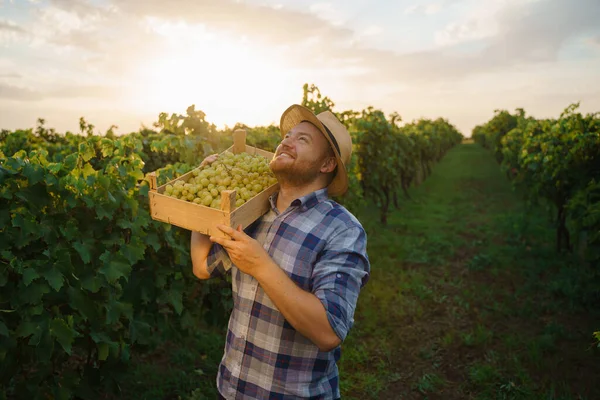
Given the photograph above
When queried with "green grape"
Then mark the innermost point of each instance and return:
(245, 173)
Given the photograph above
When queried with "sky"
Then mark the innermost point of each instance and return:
(122, 62)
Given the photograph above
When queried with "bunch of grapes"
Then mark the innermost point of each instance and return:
(247, 174)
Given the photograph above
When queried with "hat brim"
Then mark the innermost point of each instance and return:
(296, 114)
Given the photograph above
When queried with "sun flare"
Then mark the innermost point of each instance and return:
(227, 77)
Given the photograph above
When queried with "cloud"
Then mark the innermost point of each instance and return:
(10, 75)
(18, 93)
(81, 8)
(521, 32)
(372, 30)
(327, 12)
(431, 8)
(264, 23)
(594, 41)
(464, 31)
(10, 26)
(10, 31)
(426, 9)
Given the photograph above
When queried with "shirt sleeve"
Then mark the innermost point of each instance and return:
(339, 275)
(218, 261)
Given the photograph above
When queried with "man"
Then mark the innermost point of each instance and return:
(297, 271)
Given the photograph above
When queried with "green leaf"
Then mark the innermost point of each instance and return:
(115, 309)
(63, 333)
(137, 174)
(139, 331)
(152, 240)
(103, 351)
(105, 211)
(92, 282)
(107, 147)
(54, 278)
(54, 167)
(175, 298)
(29, 275)
(134, 251)
(100, 337)
(84, 249)
(45, 346)
(70, 230)
(70, 161)
(82, 303)
(33, 293)
(87, 170)
(34, 195)
(125, 355)
(86, 152)
(34, 173)
(25, 328)
(3, 329)
(114, 270)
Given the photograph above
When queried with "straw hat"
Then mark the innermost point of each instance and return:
(334, 131)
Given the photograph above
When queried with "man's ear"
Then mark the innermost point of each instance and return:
(328, 165)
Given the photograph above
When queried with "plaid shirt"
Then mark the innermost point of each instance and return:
(322, 248)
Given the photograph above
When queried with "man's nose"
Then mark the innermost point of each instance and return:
(287, 141)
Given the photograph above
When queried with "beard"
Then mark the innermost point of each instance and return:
(295, 175)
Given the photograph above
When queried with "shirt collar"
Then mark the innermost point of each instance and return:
(305, 202)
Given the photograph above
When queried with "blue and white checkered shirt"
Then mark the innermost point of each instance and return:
(323, 249)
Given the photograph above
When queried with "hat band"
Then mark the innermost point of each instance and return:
(331, 137)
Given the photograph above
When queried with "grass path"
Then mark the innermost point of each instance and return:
(468, 299)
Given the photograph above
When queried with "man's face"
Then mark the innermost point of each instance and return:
(301, 155)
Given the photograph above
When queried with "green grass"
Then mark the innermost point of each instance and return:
(467, 297)
(467, 300)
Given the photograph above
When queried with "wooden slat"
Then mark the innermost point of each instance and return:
(193, 217)
(256, 150)
(153, 185)
(228, 198)
(239, 141)
(184, 177)
(249, 212)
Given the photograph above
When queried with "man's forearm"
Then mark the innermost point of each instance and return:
(302, 309)
(199, 248)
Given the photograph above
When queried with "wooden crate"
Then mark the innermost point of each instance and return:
(203, 219)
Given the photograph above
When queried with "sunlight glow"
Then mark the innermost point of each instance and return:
(226, 77)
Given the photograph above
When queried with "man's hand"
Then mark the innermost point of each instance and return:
(246, 253)
(209, 160)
